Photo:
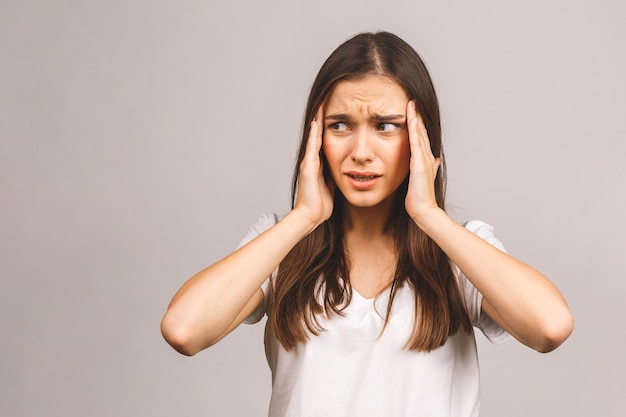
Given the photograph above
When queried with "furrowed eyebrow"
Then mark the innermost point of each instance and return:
(338, 117)
(375, 117)
(387, 118)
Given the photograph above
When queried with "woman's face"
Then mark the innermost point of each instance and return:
(365, 139)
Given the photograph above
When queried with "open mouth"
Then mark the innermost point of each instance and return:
(363, 177)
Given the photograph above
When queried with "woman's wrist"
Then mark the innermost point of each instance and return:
(430, 219)
(301, 222)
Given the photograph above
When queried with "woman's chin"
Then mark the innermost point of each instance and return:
(364, 201)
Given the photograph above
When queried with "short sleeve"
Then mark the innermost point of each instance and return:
(473, 298)
(262, 224)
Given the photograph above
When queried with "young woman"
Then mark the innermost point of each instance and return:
(370, 289)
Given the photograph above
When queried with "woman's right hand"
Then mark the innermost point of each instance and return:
(314, 198)
(217, 299)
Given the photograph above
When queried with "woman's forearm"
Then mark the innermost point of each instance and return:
(211, 303)
(516, 296)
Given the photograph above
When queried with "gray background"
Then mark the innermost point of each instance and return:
(140, 139)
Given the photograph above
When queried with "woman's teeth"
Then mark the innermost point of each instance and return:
(363, 178)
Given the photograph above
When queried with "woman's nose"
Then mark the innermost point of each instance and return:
(362, 151)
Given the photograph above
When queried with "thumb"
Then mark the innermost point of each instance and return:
(436, 166)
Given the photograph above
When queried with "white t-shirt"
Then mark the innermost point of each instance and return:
(351, 370)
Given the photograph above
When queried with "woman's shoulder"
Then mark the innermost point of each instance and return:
(485, 231)
(477, 226)
(264, 222)
(267, 220)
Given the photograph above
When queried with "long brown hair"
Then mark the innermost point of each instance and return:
(313, 279)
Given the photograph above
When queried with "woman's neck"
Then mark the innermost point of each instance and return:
(369, 246)
(367, 222)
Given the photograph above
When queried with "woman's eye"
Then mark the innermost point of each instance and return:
(387, 127)
(339, 127)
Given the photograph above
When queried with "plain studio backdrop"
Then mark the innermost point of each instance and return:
(139, 140)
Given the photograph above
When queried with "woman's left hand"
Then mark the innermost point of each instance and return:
(420, 196)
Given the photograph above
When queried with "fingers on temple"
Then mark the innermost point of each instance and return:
(314, 142)
(413, 122)
(418, 135)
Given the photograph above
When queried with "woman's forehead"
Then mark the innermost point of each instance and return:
(371, 94)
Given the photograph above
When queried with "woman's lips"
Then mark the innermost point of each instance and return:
(362, 180)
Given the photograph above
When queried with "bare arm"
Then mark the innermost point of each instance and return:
(517, 297)
(216, 300)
